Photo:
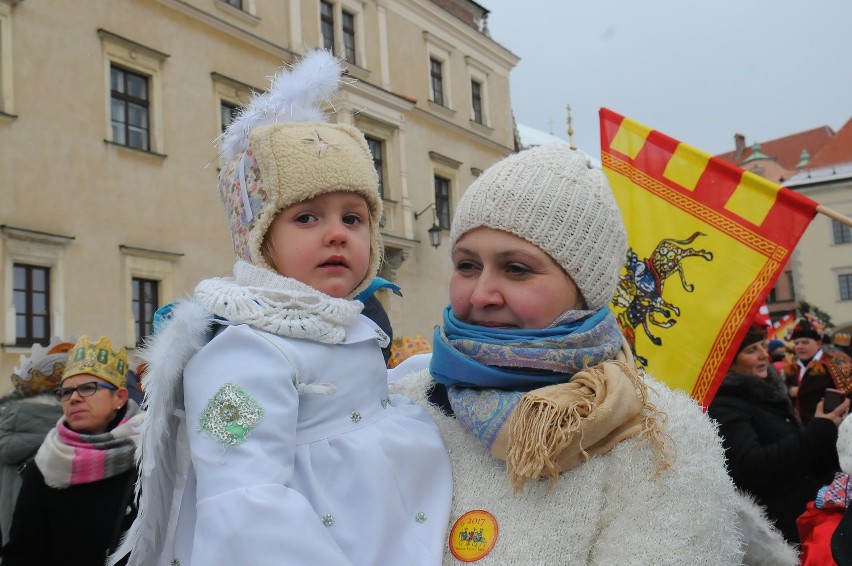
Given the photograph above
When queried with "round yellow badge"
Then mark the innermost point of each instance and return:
(473, 535)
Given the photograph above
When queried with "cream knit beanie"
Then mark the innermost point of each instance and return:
(552, 197)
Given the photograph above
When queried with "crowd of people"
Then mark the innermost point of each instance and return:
(269, 432)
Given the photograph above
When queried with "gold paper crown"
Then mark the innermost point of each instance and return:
(842, 339)
(98, 359)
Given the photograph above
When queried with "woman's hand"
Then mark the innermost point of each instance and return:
(836, 416)
(794, 391)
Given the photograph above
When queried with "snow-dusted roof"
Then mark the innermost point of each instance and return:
(530, 137)
(827, 174)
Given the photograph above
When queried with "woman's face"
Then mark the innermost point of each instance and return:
(752, 360)
(502, 281)
(92, 415)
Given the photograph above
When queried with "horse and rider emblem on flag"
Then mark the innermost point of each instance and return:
(642, 284)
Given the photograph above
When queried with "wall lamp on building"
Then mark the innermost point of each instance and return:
(435, 230)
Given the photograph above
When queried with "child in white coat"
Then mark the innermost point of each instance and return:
(270, 436)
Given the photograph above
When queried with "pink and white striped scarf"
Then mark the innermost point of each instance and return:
(68, 458)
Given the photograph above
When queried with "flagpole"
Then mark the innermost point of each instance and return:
(833, 214)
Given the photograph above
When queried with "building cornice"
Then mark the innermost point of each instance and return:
(150, 254)
(218, 23)
(430, 16)
(27, 235)
(468, 133)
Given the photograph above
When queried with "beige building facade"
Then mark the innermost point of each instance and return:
(821, 265)
(108, 170)
(818, 164)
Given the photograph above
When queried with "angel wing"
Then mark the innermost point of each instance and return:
(157, 454)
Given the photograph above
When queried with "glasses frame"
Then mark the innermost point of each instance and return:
(64, 394)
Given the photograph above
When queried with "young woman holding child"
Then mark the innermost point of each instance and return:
(562, 452)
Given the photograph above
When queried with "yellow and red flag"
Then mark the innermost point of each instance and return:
(707, 240)
(782, 327)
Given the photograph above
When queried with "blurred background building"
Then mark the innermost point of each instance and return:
(818, 164)
(109, 110)
(108, 171)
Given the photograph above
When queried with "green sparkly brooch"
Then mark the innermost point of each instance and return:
(230, 415)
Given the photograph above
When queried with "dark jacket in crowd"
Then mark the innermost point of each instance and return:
(24, 422)
(769, 453)
(75, 526)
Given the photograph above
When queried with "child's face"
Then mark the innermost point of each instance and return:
(323, 241)
(503, 281)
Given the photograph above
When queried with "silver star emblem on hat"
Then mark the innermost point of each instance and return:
(321, 143)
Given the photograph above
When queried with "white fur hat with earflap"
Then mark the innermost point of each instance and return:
(280, 150)
(553, 197)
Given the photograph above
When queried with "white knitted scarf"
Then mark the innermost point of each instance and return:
(281, 305)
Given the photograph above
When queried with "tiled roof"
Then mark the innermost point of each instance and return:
(787, 151)
(837, 150)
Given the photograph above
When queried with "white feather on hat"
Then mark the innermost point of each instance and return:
(294, 95)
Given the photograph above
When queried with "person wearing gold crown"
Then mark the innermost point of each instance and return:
(79, 488)
(270, 437)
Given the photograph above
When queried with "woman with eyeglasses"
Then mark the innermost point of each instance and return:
(76, 497)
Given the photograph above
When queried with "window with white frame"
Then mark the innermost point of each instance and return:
(444, 178)
(341, 29)
(348, 27)
(438, 68)
(134, 87)
(243, 9)
(844, 282)
(442, 201)
(145, 302)
(232, 96)
(783, 291)
(327, 25)
(479, 74)
(148, 276)
(31, 294)
(383, 139)
(841, 232)
(6, 91)
(377, 150)
(129, 108)
(33, 287)
(227, 114)
(476, 101)
(436, 78)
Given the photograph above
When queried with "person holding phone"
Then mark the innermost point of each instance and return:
(814, 370)
(770, 454)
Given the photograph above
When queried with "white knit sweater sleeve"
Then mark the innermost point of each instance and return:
(687, 516)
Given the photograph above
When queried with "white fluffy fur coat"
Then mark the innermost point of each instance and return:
(609, 511)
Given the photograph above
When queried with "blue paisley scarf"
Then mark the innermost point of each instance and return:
(487, 370)
(466, 355)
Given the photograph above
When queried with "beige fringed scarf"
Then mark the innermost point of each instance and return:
(556, 428)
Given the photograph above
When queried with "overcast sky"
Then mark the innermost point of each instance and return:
(697, 71)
